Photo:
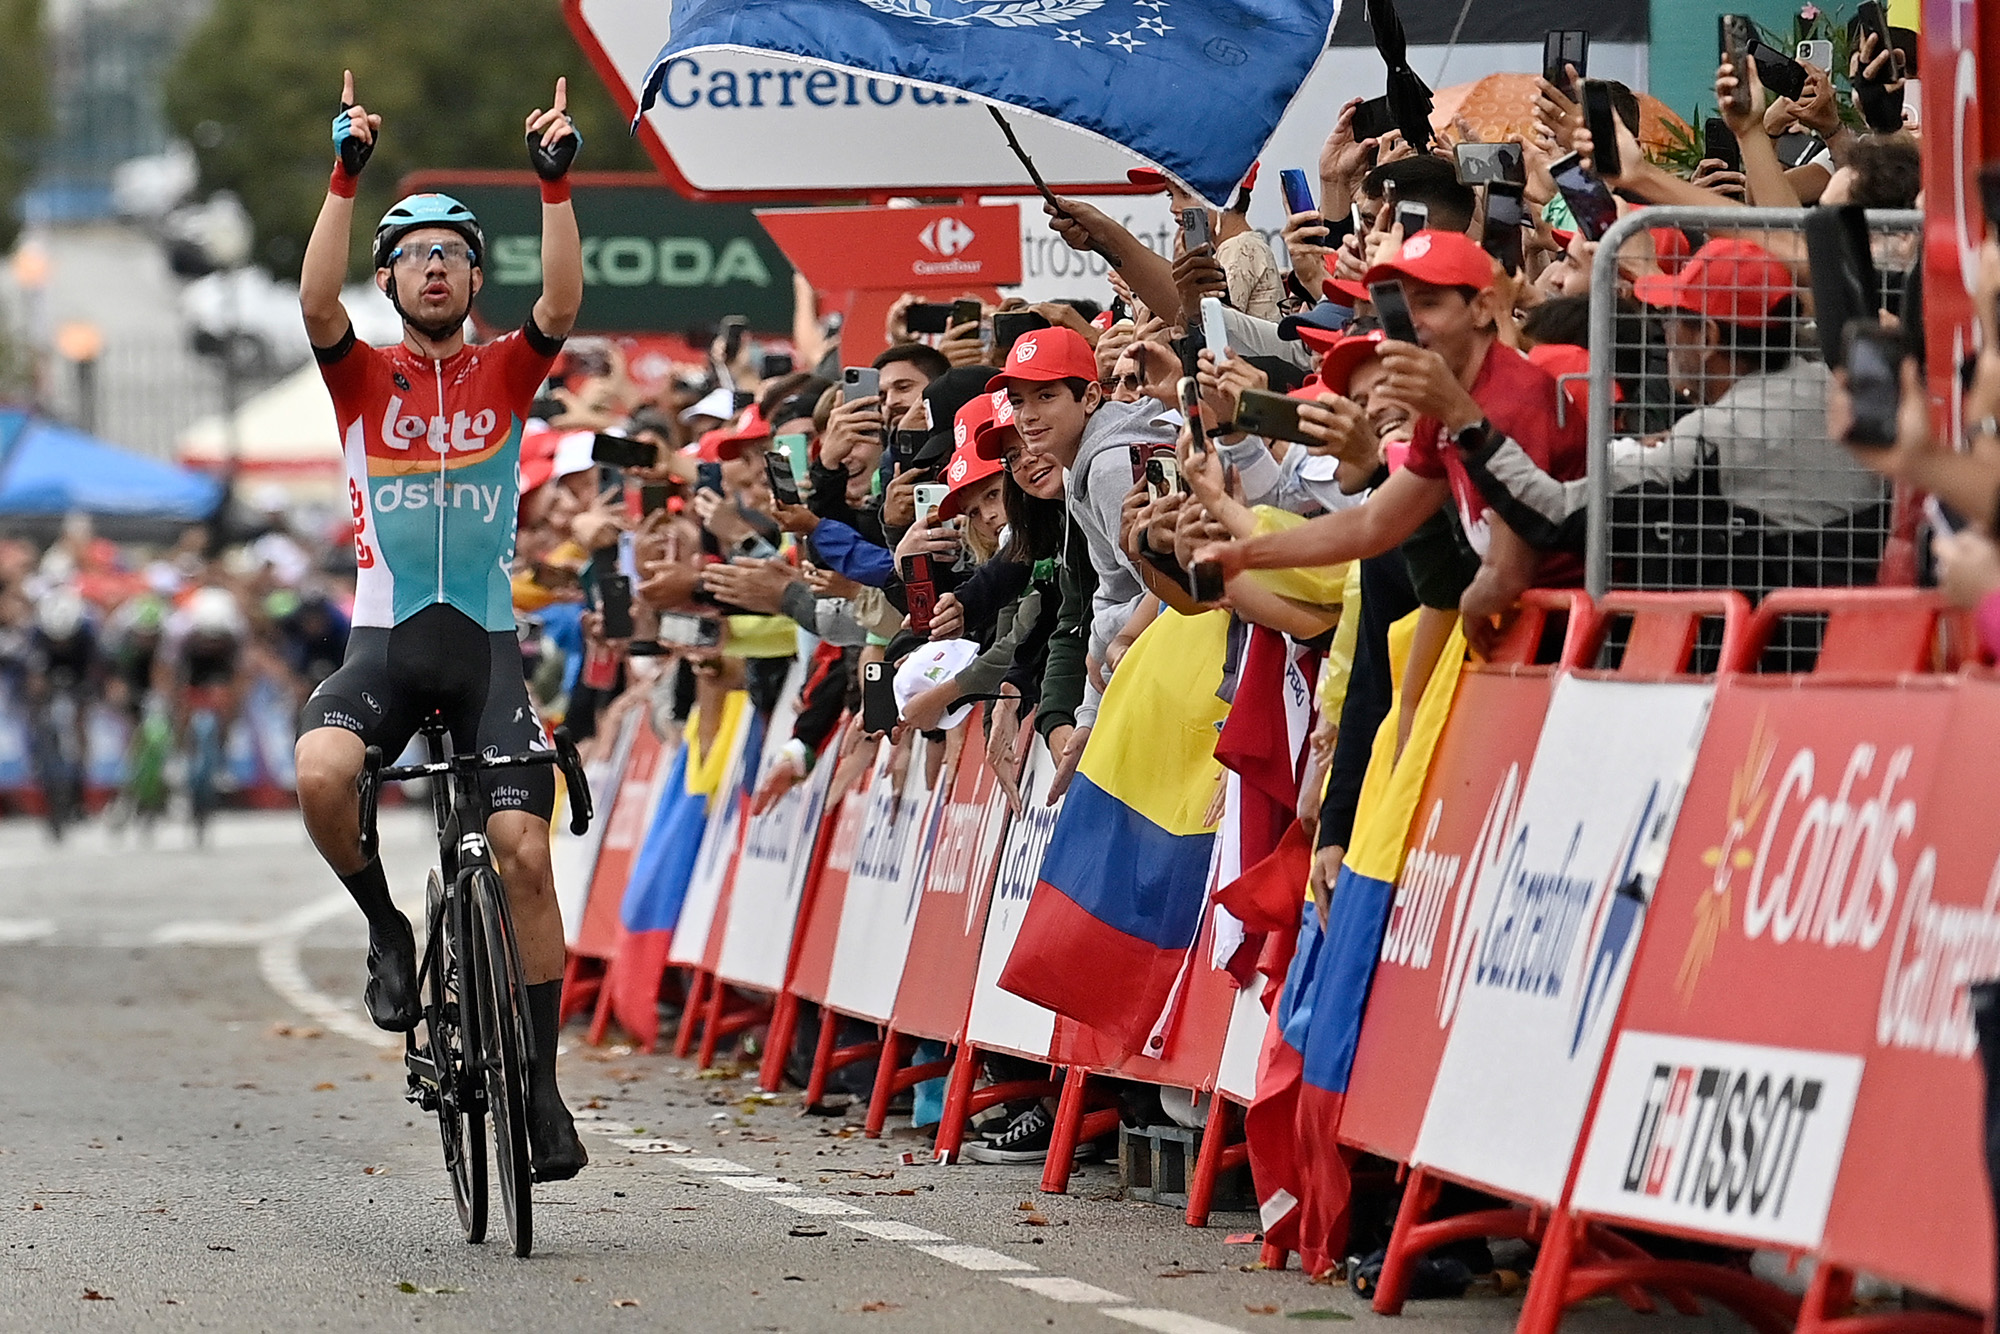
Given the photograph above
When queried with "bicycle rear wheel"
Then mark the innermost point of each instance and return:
(460, 1103)
(503, 1048)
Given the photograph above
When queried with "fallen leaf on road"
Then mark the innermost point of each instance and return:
(374, 1170)
(1243, 1239)
(1178, 1273)
(407, 1286)
(1035, 1220)
(93, 1295)
(36, 1205)
(624, 1301)
(807, 1232)
(1260, 1310)
(296, 1031)
(880, 1306)
(1026, 1206)
(325, 1086)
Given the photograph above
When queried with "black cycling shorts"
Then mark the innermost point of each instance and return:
(440, 659)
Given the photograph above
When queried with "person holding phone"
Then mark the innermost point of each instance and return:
(434, 429)
(1461, 383)
(854, 445)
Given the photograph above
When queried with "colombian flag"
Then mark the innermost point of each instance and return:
(1318, 1019)
(1119, 899)
(662, 870)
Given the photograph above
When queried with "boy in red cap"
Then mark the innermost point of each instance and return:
(1462, 384)
(1060, 413)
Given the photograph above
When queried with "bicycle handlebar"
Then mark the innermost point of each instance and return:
(564, 758)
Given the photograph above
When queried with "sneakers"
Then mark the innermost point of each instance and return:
(391, 994)
(1025, 1140)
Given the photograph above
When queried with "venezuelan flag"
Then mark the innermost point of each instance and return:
(1119, 899)
(1318, 1019)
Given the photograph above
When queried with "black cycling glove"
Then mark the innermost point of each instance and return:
(552, 163)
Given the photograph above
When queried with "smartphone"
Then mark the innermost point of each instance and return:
(1602, 122)
(966, 311)
(927, 317)
(1190, 395)
(1205, 581)
(1590, 201)
(858, 382)
(1373, 119)
(1784, 76)
(1412, 216)
(733, 329)
(1869, 18)
(1718, 141)
(622, 451)
(1215, 335)
(684, 629)
(1194, 226)
(1818, 53)
(1874, 383)
(1163, 475)
(774, 364)
(929, 495)
(1845, 287)
(1275, 416)
(1561, 48)
(1734, 34)
(778, 472)
(920, 592)
(1359, 223)
(1298, 191)
(1009, 325)
(653, 497)
(1486, 164)
(878, 698)
(614, 603)
(797, 449)
(1139, 454)
(1506, 214)
(1392, 308)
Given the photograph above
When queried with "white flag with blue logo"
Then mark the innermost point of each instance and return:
(1196, 86)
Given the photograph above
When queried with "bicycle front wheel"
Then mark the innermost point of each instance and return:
(503, 1048)
(460, 1097)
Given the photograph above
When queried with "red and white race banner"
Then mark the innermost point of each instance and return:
(719, 839)
(1797, 1065)
(1553, 925)
(574, 856)
(880, 910)
(936, 990)
(1464, 820)
(1000, 1020)
(826, 896)
(770, 879)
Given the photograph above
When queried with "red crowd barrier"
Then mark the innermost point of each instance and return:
(1675, 954)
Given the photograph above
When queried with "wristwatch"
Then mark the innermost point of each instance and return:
(1473, 436)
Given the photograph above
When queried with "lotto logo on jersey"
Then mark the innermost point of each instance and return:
(462, 438)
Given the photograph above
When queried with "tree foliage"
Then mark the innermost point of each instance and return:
(24, 106)
(256, 88)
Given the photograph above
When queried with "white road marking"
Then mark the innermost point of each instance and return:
(759, 1185)
(1167, 1322)
(1061, 1289)
(721, 1165)
(211, 933)
(22, 930)
(278, 961)
(889, 1229)
(976, 1258)
(820, 1205)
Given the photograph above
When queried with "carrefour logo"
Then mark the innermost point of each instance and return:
(946, 236)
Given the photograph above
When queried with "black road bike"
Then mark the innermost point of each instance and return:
(478, 1045)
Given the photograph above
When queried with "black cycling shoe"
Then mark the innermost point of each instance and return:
(554, 1151)
(391, 995)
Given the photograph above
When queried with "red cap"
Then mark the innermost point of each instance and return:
(1670, 244)
(986, 435)
(726, 442)
(1343, 353)
(1147, 176)
(966, 472)
(1250, 181)
(1442, 259)
(1560, 359)
(1048, 354)
(1734, 281)
(538, 457)
(1563, 238)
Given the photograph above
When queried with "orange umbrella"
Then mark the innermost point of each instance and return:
(1500, 105)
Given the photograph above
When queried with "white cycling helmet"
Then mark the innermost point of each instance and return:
(60, 613)
(213, 611)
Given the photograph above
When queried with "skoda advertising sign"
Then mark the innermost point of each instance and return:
(653, 262)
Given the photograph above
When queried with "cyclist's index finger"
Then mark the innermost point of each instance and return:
(562, 95)
(347, 87)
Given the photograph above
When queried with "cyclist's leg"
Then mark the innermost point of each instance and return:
(351, 711)
(522, 801)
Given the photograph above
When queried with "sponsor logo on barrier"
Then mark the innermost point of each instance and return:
(847, 832)
(1430, 877)
(964, 844)
(1021, 867)
(1823, 869)
(946, 236)
(1938, 951)
(1725, 1137)
(773, 834)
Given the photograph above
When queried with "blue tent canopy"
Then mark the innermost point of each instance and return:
(46, 469)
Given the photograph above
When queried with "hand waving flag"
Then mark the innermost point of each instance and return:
(1196, 86)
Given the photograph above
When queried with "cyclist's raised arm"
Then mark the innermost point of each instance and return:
(325, 267)
(552, 145)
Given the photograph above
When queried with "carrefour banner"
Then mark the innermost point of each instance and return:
(1553, 926)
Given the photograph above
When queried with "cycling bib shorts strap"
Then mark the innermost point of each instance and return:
(439, 659)
(432, 452)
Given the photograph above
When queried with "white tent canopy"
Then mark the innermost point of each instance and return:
(287, 429)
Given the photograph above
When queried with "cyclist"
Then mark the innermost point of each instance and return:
(64, 667)
(432, 436)
(198, 671)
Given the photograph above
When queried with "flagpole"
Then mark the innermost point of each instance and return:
(1014, 145)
